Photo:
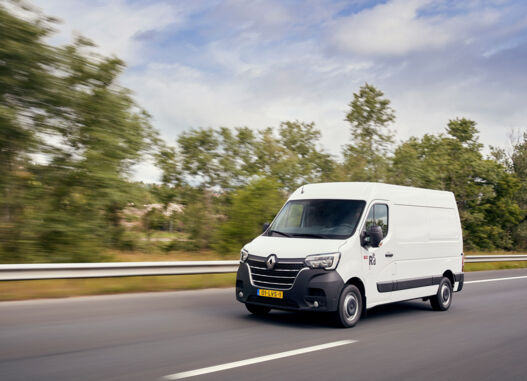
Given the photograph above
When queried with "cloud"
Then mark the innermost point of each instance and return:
(212, 63)
(115, 26)
(247, 14)
(259, 92)
(398, 28)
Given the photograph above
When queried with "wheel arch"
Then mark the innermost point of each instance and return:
(450, 275)
(357, 282)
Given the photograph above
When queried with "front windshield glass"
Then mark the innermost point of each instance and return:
(329, 219)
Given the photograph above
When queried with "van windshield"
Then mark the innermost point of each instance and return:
(327, 219)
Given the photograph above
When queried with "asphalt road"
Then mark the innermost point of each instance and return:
(149, 336)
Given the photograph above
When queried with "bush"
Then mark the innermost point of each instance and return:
(250, 207)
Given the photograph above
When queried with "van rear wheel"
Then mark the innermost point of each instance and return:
(350, 307)
(443, 299)
(257, 310)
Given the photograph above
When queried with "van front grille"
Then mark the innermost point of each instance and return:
(281, 277)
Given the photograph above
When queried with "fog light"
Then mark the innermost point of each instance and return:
(240, 294)
(315, 304)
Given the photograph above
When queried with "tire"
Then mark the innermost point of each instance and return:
(443, 299)
(257, 310)
(350, 307)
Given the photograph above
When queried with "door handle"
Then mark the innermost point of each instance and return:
(388, 255)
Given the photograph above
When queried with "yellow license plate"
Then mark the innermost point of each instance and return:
(271, 293)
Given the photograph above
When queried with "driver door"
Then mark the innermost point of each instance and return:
(378, 262)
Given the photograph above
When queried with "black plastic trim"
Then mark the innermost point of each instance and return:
(406, 284)
(459, 277)
(300, 297)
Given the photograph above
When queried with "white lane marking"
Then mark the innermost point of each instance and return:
(256, 360)
(496, 279)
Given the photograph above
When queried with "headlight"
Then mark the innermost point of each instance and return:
(243, 255)
(323, 261)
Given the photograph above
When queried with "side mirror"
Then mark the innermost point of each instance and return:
(265, 226)
(375, 234)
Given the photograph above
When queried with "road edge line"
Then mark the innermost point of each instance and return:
(256, 360)
(496, 279)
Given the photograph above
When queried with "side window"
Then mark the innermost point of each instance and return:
(369, 220)
(378, 215)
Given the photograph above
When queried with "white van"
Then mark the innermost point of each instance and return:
(346, 247)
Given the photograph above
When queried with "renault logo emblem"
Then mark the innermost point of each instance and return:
(270, 262)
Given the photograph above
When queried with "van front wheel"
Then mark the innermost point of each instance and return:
(350, 307)
(443, 299)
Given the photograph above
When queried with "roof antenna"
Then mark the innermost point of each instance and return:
(302, 190)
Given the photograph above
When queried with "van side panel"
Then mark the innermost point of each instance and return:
(429, 243)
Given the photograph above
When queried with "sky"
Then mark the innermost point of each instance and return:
(212, 63)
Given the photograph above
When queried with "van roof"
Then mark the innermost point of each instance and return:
(396, 194)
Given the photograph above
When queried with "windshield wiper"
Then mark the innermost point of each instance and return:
(309, 235)
(279, 232)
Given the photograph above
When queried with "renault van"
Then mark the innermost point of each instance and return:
(347, 247)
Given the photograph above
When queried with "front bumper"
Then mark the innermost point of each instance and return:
(310, 285)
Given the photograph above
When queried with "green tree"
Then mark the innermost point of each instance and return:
(236, 157)
(302, 140)
(28, 101)
(172, 176)
(370, 115)
(104, 134)
(226, 159)
(64, 105)
(294, 157)
(484, 189)
(518, 166)
(199, 151)
(199, 218)
(251, 206)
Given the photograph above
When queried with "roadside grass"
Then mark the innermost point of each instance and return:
(495, 266)
(485, 266)
(495, 252)
(60, 288)
(136, 256)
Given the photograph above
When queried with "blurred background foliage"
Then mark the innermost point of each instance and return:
(70, 135)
